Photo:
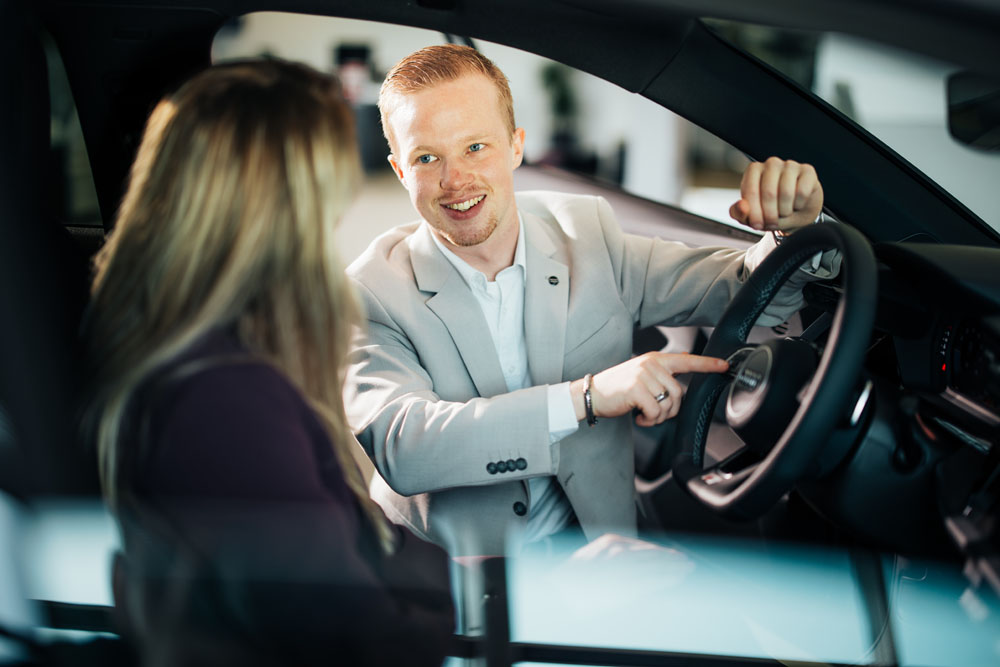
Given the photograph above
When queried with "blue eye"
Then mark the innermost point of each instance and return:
(477, 147)
(426, 159)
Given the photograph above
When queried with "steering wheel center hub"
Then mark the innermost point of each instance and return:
(748, 390)
(763, 396)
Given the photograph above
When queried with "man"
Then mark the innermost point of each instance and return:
(499, 323)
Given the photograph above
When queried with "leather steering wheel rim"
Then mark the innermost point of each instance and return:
(751, 491)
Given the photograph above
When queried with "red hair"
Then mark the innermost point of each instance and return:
(437, 64)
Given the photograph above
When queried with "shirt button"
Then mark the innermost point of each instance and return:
(491, 468)
(520, 509)
(521, 464)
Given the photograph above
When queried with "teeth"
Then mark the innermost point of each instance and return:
(466, 205)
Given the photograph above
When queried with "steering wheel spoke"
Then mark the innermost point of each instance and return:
(713, 486)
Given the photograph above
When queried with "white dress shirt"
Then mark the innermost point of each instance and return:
(502, 303)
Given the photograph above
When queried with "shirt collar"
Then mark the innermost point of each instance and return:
(473, 276)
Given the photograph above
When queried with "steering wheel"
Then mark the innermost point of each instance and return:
(784, 398)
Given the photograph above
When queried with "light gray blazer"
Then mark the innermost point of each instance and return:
(427, 397)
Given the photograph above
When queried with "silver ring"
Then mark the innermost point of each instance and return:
(662, 395)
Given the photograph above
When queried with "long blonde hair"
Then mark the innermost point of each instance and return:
(228, 221)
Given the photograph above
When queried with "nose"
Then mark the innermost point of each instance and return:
(454, 176)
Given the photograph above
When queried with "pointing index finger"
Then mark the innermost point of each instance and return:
(694, 363)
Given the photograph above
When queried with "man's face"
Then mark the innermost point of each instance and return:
(455, 155)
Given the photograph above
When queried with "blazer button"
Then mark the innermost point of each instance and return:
(521, 464)
(520, 509)
(511, 465)
(553, 280)
(491, 468)
(502, 466)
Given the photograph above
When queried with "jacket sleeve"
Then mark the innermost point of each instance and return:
(421, 442)
(669, 283)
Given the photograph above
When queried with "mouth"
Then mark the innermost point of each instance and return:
(463, 206)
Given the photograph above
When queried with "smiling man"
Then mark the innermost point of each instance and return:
(494, 389)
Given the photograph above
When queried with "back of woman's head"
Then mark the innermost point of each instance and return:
(239, 180)
(228, 221)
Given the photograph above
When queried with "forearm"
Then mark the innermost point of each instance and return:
(420, 443)
(681, 286)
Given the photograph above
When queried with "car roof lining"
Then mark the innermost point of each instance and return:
(961, 31)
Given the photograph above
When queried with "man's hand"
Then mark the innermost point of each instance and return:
(645, 383)
(778, 195)
(612, 545)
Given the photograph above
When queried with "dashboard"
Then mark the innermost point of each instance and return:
(974, 355)
(942, 306)
(925, 469)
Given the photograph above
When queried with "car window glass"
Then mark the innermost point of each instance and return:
(574, 121)
(898, 96)
(71, 180)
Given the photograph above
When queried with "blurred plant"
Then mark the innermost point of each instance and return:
(565, 150)
(556, 79)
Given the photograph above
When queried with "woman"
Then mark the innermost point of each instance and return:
(219, 322)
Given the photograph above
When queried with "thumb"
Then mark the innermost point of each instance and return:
(740, 211)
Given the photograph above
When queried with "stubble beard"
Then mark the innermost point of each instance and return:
(478, 236)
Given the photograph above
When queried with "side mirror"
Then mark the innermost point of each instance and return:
(974, 110)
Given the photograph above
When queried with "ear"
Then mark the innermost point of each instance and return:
(517, 141)
(396, 168)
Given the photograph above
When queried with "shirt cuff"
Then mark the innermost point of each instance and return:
(823, 265)
(562, 416)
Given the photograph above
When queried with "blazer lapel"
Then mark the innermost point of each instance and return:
(546, 303)
(458, 309)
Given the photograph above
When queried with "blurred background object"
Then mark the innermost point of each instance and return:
(360, 81)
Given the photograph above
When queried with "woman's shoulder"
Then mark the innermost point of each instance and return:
(218, 372)
(221, 420)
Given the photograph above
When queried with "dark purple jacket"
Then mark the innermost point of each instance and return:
(234, 507)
